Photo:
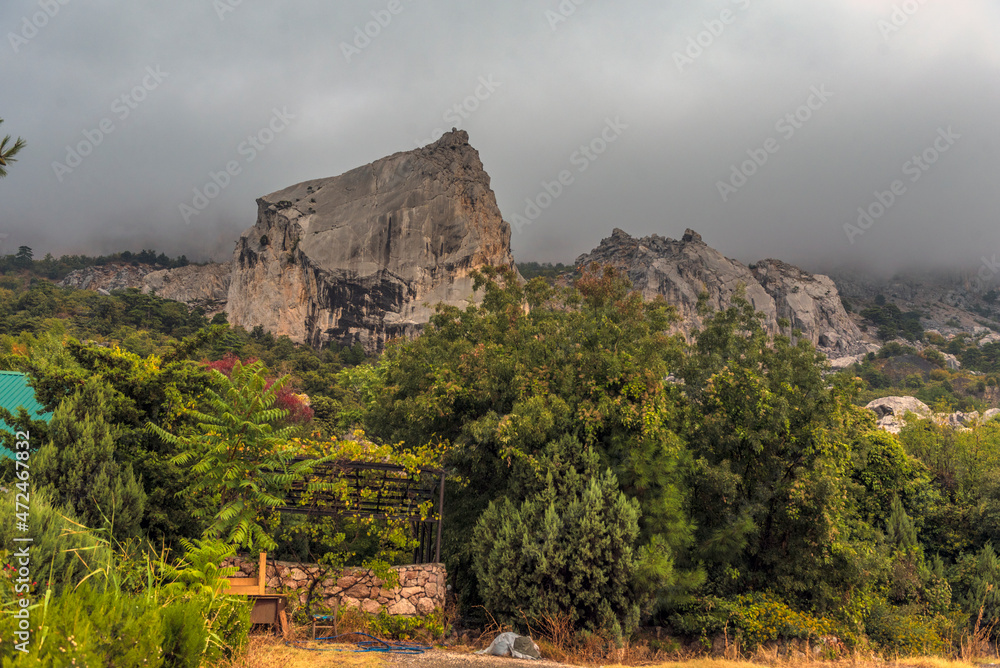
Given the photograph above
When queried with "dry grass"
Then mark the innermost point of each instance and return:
(917, 662)
(272, 652)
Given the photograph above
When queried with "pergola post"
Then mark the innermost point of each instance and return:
(437, 549)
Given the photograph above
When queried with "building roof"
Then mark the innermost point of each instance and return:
(15, 393)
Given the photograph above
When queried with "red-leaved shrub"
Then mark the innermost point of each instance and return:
(297, 406)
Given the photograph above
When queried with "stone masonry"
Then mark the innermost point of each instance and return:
(421, 587)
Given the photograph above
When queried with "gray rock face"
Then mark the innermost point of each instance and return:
(810, 302)
(107, 277)
(898, 406)
(206, 286)
(364, 257)
(683, 270)
(680, 271)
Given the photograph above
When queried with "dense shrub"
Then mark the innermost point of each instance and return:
(892, 322)
(907, 631)
(754, 619)
(567, 550)
(85, 626)
(56, 536)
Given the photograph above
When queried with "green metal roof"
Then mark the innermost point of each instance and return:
(15, 393)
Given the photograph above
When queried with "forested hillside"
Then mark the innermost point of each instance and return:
(602, 472)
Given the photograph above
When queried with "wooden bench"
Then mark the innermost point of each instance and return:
(250, 586)
(267, 609)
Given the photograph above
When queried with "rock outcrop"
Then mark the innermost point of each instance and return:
(680, 271)
(890, 411)
(108, 277)
(683, 270)
(810, 302)
(205, 286)
(193, 284)
(365, 256)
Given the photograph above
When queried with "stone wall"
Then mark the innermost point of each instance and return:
(421, 587)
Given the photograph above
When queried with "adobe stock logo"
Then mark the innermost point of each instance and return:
(901, 15)
(122, 107)
(465, 109)
(363, 35)
(915, 168)
(787, 126)
(31, 25)
(698, 44)
(582, 159)
(567, 8)
(223, 7)
(249, 149)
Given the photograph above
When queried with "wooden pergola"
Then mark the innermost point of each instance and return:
(381, 491)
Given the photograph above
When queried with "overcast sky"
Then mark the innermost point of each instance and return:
(687, 92)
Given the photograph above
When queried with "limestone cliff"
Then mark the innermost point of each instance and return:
(206, 285)
(108, 277)
(683, 270)
(364, 257)
(811, 303)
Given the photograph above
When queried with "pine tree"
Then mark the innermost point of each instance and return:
(899, 528)
(79, 468)
(565, 552)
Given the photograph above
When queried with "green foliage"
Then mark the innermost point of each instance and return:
(7, 152)
(884, 472)
(94, 625)
(199, 571)
(872, 376)
(79, 466)
(934, 356)
(985, 358)
(895, 349)
(904, 631)
(88, 626)
(498, 382)
(567, 551)
(59, 544)
(398, 627)
(240, 455)
(135, 390)
(976, 587)
(58, 268)
(184, 640)
(760, 618)
(892, 322)
(768, 481)
(196, 583)
(530, 270)
(900, 531)
(754, 619)
(230, 629)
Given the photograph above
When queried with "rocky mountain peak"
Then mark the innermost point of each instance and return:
(690, 236)
(681, 271)
(364, 256)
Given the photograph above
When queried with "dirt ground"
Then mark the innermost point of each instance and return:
(443, 659)
(273, 653)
